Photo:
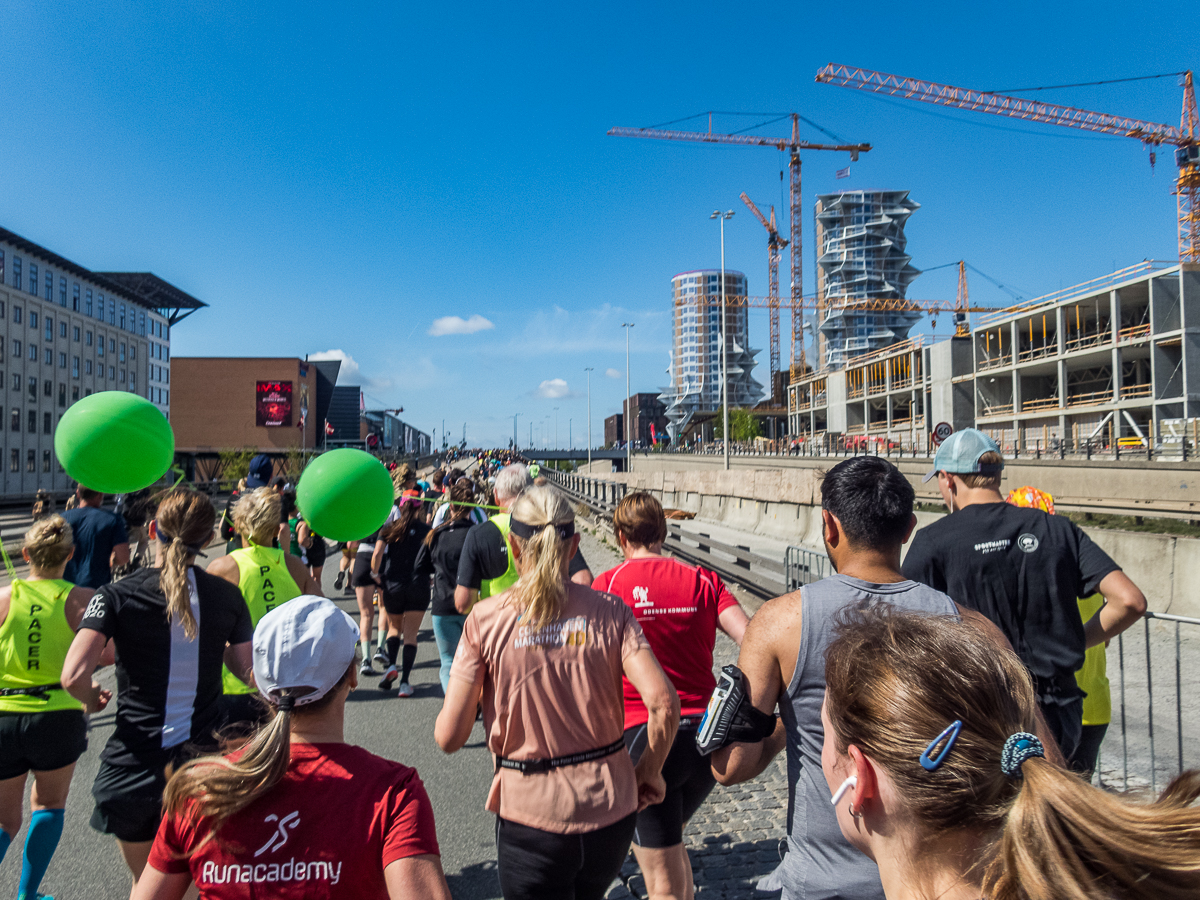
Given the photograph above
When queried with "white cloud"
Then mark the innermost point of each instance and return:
(349, 373)
(458, 325)
(613, 373)
(552, 389)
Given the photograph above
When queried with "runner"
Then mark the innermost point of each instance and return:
(545, 660)
(266, 577)
(405, 594)
(42, 728)
(680, 608)
(439, 556)
(284, 785)
(172, 626)
(936, 774)
(364, 592)
(100, 540)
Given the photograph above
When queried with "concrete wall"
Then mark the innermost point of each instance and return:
(785, 505)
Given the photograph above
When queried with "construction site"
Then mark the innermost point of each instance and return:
(1107, 365)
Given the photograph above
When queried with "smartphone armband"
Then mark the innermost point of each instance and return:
(730, 717)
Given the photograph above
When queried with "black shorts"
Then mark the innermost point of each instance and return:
(129, 799)
(689, 781)
(40, 742)
(399, 599)
(360, 575)
(318, 552)
(534, 864)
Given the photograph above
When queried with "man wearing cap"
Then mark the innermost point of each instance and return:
(1025, 570)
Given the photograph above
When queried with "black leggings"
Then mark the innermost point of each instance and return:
(543, 865)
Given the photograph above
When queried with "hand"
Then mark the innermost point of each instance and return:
(99, 700)
(651, 790)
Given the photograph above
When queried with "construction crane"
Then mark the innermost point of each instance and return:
(792, 144)
(775, 245)
(1185, 138)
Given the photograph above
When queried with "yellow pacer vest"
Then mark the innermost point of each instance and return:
(493, 586)
(34, 640)
(265, 582)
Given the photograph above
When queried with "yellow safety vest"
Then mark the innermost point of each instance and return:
(265, 582)
(493, 586)
(34, 640)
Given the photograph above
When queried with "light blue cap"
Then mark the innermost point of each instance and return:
(960, 454)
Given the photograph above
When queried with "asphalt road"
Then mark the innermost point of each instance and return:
(87, 864)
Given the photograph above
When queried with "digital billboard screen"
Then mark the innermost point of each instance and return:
(273, 406)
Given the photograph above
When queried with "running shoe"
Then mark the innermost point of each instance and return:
(367, 669)
(349, 589)
(389, 678)
(381, 657)
(337, 582)
(406, 690)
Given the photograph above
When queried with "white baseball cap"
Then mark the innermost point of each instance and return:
(303, 647)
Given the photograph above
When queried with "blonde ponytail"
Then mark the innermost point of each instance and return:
(542, 588)
(185, 521)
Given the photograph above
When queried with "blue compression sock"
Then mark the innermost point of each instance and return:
(45, 828)
(5, 840)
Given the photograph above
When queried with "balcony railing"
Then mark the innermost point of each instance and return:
(855, 391)
(997, 409)
(994, 362)
(1084, 341)
(1090, 399)
(1136, 390)
(1037, 352)
(1045, 403)
(1133, 332)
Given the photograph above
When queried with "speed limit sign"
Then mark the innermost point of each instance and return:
(942, 431)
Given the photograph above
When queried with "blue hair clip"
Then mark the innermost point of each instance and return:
(950, 735)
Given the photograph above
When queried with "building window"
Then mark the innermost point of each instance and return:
(62, 329)
(87, 302)
(100, 307)
(141, 316)
(62, 360)
(48, 388)
(33, 320)
(112, 373)
(49, 295)
(17, 272)
(33, 279)
(112, 346)
(30, 460)
(32, 385)
(46, 458)
(62, 394)
(74, 366)
(132, 380)
(122, 373)
(75, 297)
(14, 460)
(49, 359)
(100, 347)
(62, 292)
(74, 392)
(88, 392)
(49, 329)
(112, 312)
(31, 423)
(75, 333)
(16, 381)
(89, 339)
(122, 320)
(87, 366)
(47, 423)
(133, 351)
(33, 353)
(16, 420)
(16, 315)
(122, 352)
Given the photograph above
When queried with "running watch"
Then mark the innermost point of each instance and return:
(730, 717)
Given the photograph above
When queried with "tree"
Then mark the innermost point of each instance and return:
(744, 425)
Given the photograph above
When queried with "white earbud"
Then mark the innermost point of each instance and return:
(848, 785)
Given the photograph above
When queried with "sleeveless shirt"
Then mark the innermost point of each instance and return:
(265, 582)
(34, 640)
(493, 586)
(820, 863)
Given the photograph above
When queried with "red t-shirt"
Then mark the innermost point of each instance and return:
(327, 830)
(677, 606)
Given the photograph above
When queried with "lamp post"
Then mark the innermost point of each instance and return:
(628, 408)
(570, 435)
(724, 340)
(515, 447)
(589, 378)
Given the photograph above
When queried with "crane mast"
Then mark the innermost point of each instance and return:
(775, 245)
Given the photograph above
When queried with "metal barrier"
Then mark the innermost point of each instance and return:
(1141, 678)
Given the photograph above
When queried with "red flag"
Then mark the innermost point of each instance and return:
(328, 427)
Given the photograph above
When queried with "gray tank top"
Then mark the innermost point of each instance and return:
(820, 863)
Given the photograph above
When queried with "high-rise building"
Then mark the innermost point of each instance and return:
(695, 371)
(861, 247)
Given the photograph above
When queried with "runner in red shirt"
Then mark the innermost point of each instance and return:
(257, 824)
(680, 608)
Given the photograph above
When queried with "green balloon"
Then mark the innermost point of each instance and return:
(345, 494)
(114, 442)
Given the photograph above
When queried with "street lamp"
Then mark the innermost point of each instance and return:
(724, 339)
(589, 378)
(515, 447)
(628, 408)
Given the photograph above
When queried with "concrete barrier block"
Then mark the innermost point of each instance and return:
(1148, 559)
(1185, 595)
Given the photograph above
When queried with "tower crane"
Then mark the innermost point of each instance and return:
(1185, 138)
(792, 144)
(775, 245)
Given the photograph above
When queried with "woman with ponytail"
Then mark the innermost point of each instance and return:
(937, 776)
(172, 625)
(545, 659)
(262, 814)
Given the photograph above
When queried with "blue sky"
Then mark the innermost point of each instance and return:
(338, 177)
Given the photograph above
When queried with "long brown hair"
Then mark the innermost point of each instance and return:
(895, 680)
(462, 495)
(542, 588)
(398, 529)
(222, 786)
(185, 524)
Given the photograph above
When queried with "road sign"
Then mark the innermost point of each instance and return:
(942, 431)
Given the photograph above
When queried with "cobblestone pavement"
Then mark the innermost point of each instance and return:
(734, 838)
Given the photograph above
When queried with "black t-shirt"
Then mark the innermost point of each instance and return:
(398, 558)
(96, 532)
(1022, 568)
(485, 556)
(440, 559)
(167, 686)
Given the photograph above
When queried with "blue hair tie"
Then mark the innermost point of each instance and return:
(1018, 748)
(950, 735)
